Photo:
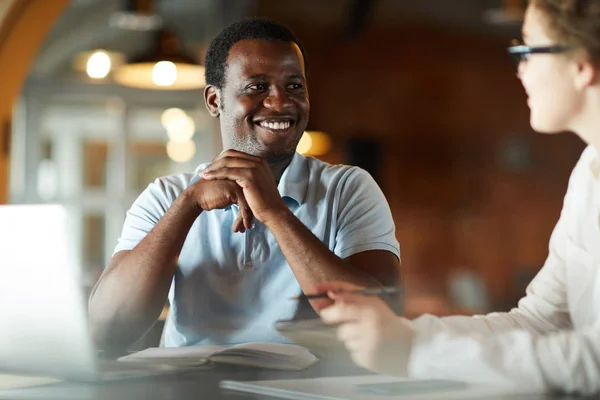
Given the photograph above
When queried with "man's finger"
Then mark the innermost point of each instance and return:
(244, 211)
(238, 225)
(231, 162)
(241, 223)
(239, 154)
(234, 174)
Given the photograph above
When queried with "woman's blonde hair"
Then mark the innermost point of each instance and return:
(574, 22)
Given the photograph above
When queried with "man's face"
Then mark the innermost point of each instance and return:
(263, 107)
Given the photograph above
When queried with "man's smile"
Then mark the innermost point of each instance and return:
(276, 125)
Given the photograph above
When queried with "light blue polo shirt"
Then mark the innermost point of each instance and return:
(232, 287)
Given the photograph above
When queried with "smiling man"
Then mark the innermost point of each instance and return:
(229, 244)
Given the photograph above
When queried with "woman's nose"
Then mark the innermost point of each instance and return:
(521, 69)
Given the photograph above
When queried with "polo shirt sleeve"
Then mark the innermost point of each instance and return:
(146, 211)
(364, 219)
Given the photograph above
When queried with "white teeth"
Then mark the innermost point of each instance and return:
(275, 125)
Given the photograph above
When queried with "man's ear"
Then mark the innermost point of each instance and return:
(212, 100)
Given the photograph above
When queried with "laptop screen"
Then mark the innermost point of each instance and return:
(44, 324)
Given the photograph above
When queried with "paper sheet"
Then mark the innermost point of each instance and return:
(22, 381)
(349, 388)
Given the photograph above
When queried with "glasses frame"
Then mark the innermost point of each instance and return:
(520, 52)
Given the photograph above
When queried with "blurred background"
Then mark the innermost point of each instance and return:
(419, 93)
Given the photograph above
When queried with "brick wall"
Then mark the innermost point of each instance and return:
(470, 185)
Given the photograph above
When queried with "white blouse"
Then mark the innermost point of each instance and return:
(552, 339)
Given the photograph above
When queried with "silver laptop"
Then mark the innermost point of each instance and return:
(43, 320)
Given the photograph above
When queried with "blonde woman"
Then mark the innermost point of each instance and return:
(551, 341)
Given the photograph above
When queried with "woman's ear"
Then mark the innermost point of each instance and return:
(586, 74)
(212, 100)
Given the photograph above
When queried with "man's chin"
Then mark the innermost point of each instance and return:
(277, 158)
(275, 155)
(272, 157)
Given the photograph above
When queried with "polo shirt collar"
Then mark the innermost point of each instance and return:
(294, 181)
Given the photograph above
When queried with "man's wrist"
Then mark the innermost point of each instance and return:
(188, 204)
(276, 217)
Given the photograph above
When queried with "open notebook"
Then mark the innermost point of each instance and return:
(255, 354)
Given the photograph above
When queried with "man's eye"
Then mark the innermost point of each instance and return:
(258, 86)
(295, 86)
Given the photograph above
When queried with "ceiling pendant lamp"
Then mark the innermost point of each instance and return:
(165, 67)
(137, 15)
(511, 13)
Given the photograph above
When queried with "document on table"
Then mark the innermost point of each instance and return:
(370, 387)
(8, 381)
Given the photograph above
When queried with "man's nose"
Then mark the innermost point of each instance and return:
(277, 99)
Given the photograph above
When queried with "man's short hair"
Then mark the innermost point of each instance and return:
(250, 28)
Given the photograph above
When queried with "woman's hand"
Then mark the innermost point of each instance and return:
(376, 338)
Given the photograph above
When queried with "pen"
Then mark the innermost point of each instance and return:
(378, 291)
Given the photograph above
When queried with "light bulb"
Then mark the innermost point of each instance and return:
(320, 143)
(98, 65)
(164, 73)
(181, 151)
(304, 144)
(181, 129)
(171, 114)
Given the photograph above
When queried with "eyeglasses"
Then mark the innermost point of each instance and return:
(520, 52)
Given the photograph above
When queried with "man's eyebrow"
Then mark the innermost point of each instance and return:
(265, 76)
(258, 76)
